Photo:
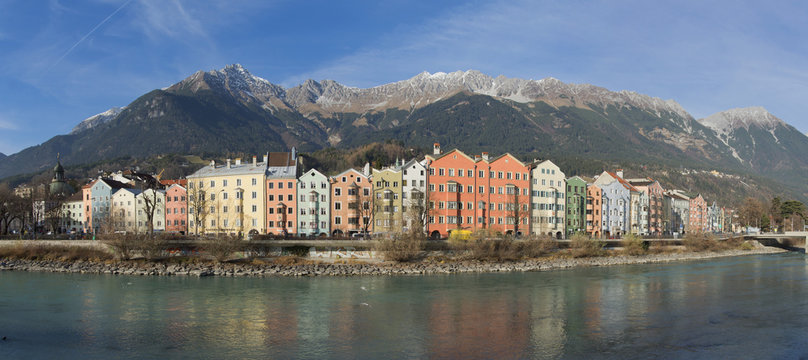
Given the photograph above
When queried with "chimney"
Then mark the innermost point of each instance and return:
(477, 157)
(294, 153)
(255, 161)
(228, 163)
(485, 156)
(436, 149)
(620, 173)
(238, 161)
(213, 164)
(266, 159)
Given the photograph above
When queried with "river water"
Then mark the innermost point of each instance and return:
(743, 307)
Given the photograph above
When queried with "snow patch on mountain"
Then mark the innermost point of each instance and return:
(727, 121)
(97, 119)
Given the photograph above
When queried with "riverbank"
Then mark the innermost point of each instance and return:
(313, 268)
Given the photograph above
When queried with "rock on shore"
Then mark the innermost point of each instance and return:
(356, 269)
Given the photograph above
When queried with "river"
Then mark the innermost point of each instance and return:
(741, 307)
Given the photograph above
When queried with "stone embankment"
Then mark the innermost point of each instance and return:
(354, 269)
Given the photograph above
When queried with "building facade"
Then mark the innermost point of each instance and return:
(548, 199)
(227, 198)
(176, 207)
(314, 205)
(594, 203)
(281, 193)
(576, 205)
(351, 203)
(698, 218)
(387, 200)
(476, 193)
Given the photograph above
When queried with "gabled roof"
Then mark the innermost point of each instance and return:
(177, 185)
(623, 182)
(441, 156)
(134, 192)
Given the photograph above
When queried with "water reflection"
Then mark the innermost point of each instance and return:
(673, 310)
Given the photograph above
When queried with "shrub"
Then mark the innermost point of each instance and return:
(583, 246)
(698, 242)
(402, 247)
(634, 245)
(537, 246)
(222, 247)
(747, 246)
(124, 246)
(152, 246)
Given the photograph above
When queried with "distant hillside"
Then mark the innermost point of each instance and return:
(230, 111)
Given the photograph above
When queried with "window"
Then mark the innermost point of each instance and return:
(254, 195)
(338, 191)
(212, 183)
(270, 186)
(255, 208)
(302, 185)
(224, 182)
(224, 196)
(238, 182)
(337, 206)
(289, 197)
(224, 209)
(254, 182)
(271, 197)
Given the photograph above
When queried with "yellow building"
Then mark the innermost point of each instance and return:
(228, 198)
(387, 189)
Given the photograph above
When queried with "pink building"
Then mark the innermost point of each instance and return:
(699, 221)
(281, 190)
(176, 207)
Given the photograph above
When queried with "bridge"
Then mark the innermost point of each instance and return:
(792, 241)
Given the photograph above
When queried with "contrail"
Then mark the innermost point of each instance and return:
(87, 35)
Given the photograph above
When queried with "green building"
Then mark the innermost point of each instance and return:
(576, 205)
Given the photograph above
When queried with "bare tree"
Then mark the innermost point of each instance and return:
(418, 211)
(197, 206)
(6, 205)
(517, 207)
(150, 203)
(750, 212)
(364, 207)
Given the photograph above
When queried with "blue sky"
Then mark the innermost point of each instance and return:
(62, 61)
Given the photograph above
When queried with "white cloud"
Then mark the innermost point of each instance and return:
(6, 124)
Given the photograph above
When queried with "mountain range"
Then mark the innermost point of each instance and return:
(231, 111)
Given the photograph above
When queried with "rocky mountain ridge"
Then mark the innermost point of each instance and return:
(231, 111)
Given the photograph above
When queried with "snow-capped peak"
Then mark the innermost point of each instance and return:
(97, 119)
(726, 121)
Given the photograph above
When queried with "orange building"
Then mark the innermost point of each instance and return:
(281, 190)
(176, 205)
(351, 203)
(474, 193)
(594, 200)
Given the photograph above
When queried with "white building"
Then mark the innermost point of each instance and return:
(548, 192)
(314, 204)
(413, 181)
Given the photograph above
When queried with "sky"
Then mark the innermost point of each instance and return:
(63, 61)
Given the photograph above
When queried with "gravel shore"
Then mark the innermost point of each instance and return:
(356, 269)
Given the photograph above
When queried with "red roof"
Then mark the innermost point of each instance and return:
(623, 182)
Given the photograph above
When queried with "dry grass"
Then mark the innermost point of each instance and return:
(402, 247)
(700, 242)
(583, 246)
(488, 246)
(537, 246)
(53, 252)
(634, 245)
(291, 260)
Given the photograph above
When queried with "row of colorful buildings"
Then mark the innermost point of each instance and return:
(443, 192)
